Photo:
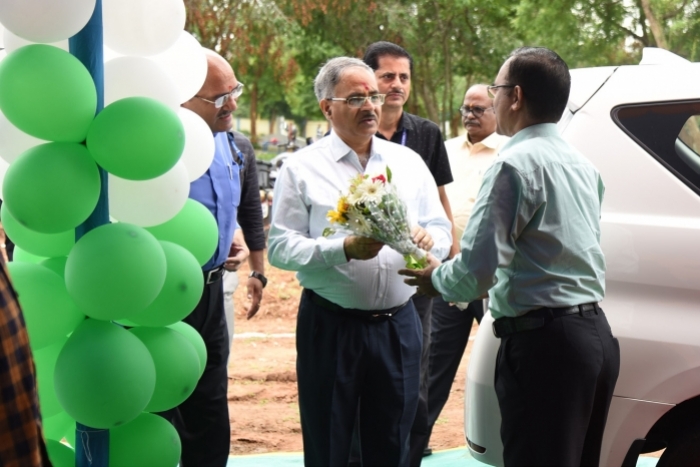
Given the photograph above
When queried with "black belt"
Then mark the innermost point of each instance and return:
(538, 318)
(365, 315)
(214, 275)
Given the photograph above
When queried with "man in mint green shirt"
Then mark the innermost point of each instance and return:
(533, 245)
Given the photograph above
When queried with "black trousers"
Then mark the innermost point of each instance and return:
(450, 329)
(346, 363)
(202, 421)
(554, 386)
(420, 430)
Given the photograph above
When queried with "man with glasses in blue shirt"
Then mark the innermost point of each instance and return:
(533, 244)
(202, 421)
(358, 334)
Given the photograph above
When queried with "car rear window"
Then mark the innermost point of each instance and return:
(669, 131)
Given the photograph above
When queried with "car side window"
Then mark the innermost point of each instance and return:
(669, 131)
(690, 133)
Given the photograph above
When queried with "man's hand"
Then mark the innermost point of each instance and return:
(255, 291)
(361, 247)
(238, 252)
(422, 278)
(422, 238)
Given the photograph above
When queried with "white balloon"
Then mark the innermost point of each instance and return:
(199, 144)
(14, 141)
(109, 54)
(139, 76)
(14, 42)
(149, 202)
(186, 63)
(45, 20)
(138, 27)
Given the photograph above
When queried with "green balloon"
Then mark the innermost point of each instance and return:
(21, 256)
(115, 271)
(59, 426)
(195, 339)
(45, 361)
(194, 228)
(148, 440)
(137, 138)
(48, 310)
(52, 187)
(177, 366)
(60, 454)
(47, 93)
(104, 375)
(181, 292)
(37, 243)
(56, 264)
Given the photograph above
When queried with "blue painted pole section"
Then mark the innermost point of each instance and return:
(87, 46)
(92, 445)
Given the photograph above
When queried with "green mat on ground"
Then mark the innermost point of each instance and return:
(457, 457)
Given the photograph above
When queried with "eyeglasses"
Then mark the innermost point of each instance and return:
(476, 110)
(493, 90)
(357, 102)
(221, 100)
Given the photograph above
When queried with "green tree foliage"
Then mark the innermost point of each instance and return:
(277, 46)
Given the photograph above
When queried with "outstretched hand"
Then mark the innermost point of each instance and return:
(422, 278)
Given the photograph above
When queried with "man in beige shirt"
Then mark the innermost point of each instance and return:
(469, 157)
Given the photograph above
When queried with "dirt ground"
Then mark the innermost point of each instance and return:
(262, 389)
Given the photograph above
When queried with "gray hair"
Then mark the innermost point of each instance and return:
(329, 75)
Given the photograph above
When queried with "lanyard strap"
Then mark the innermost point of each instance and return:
(403, 137)
(235, 152)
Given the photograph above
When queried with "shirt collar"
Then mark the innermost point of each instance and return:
(339, 149)
(492, 141)
(533, 131)
(405, 122)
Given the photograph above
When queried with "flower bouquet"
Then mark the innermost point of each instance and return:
(372, 208)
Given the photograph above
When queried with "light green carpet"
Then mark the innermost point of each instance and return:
(457, 457)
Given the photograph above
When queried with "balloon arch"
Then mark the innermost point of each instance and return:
(96, 157)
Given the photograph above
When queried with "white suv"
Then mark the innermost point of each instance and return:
(640, 126)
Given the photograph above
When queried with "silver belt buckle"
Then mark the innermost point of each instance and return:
(210, 273)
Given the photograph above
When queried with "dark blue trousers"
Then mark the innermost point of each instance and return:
(449, 335)
(346, 363)
(202, 421)
(554, 386)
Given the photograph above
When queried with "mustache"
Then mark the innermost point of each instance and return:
(396, 91)
(472, 122)
(368, 114)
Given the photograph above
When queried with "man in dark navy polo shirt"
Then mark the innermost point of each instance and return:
(393, 67)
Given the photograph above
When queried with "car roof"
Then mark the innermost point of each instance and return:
(660, 75)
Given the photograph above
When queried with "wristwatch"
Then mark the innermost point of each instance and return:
(259, 277)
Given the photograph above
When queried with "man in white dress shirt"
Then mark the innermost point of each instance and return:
(358, 334)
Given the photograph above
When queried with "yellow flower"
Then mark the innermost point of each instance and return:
(343, 205)
(336, 217)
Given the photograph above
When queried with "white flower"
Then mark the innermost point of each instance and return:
(358, 223)
(370, 191)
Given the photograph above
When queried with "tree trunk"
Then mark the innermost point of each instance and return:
(254, 113)
(656, 27)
